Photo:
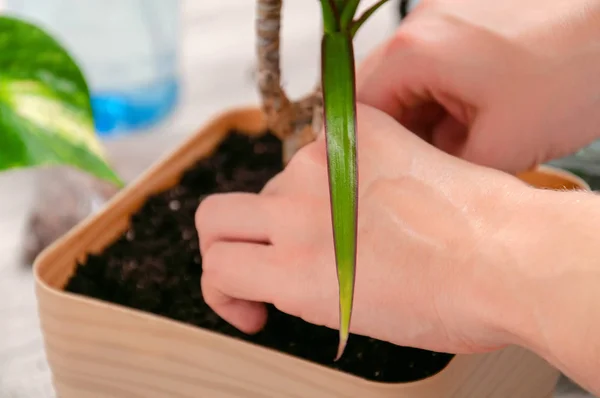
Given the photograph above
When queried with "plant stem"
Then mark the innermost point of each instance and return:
(291, 121)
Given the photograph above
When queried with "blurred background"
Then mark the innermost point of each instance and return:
(158, 69)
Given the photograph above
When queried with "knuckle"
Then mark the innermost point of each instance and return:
(287, 303)
(301, 214)
(210, 291)
(213, 282)
(205, 209)
(203, 219)
(214, 260)
(311, 155)
(404, 39)
(424, 35)
(312, 299)
(272, 186)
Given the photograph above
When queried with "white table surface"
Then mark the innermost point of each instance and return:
(217, 63)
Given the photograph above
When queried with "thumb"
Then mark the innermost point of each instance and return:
(391, 79)
(431, 68)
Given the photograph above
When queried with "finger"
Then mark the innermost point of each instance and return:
(450, 135)
(272, 187)
(237, 279)
(393, 78)
(429, 61)
(482, 150)
(305, 173)
(232, 217)
(401, 92)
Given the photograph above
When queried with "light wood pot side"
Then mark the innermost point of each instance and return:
(96, 349)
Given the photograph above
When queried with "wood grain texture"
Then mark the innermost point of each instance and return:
(96, 349)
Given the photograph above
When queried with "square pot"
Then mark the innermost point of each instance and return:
(97, 349)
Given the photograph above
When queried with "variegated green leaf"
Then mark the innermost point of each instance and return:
(45, 110)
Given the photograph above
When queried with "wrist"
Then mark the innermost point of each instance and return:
(551, 280)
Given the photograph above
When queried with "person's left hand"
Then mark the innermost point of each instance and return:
(431, 265)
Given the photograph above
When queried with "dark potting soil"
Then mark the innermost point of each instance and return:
(156, 267)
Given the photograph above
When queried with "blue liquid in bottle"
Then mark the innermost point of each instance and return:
(127, 50)
(119, 112)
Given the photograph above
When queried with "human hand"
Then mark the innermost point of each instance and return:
(432, 265)
(506, 84)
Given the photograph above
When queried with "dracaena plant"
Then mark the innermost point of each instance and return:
(45, 107)
(333, 102)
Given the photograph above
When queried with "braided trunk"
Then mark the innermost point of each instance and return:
(296, 123)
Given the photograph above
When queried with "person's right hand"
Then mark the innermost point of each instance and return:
(505, 84)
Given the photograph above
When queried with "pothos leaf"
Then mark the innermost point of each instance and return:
(340, 132)
(45, 110)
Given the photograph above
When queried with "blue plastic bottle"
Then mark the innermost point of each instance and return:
(127, 50)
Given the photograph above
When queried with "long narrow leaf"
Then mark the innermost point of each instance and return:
(348, 13)
(339, 5)
(366, 15)
(340, 129)
(330, 19)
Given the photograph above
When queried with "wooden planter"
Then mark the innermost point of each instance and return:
(96, 349)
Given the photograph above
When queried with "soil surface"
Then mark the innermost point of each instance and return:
(156, 267)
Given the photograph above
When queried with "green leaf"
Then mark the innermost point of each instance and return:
(330, 18)
(339, 5)
(340, 131)
(366, 15)
(45, 111)
(348, 13)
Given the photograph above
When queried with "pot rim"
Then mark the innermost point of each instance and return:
(562, 173)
